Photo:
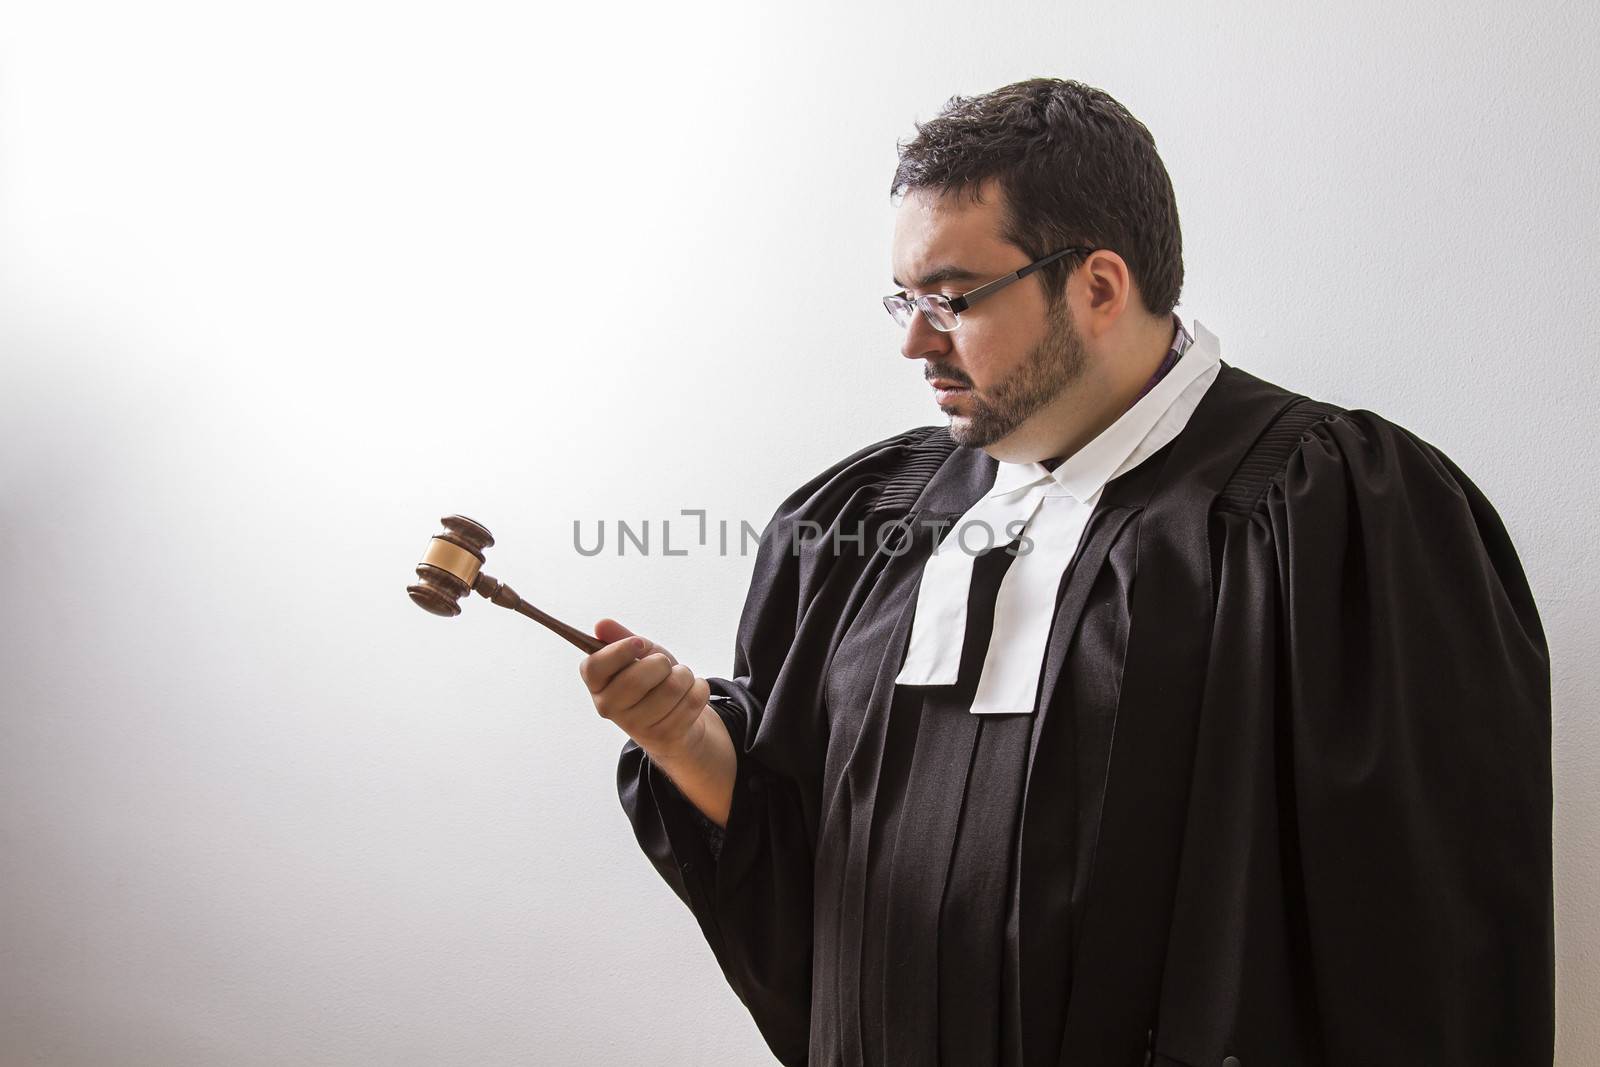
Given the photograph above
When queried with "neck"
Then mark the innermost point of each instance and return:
(1107, 388)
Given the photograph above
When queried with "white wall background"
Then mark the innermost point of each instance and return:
(282, 284)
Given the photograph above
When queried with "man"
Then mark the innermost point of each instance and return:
(1148, 713)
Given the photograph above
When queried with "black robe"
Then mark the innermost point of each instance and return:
(1286, 799)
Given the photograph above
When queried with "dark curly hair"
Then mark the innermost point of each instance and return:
(1076, 168)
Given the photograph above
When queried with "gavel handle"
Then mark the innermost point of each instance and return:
(502, 594)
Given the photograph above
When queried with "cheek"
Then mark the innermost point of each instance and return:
(987, 357)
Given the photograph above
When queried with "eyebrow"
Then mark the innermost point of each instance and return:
(947, 273)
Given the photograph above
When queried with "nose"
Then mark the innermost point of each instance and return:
(922, 341)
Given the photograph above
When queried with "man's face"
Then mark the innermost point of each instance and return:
(1012, 354)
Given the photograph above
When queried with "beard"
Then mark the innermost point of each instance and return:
(1053, 365)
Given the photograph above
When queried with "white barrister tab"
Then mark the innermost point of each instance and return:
(1052, 509)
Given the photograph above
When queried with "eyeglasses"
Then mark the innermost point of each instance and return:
(944, 313)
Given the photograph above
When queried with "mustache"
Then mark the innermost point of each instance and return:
(932, 372)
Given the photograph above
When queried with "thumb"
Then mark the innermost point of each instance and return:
(610, 630)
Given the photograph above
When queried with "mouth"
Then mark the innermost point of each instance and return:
(944, 389)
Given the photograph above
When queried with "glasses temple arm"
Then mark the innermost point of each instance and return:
(962, 302)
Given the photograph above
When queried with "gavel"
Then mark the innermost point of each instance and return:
(452, 567)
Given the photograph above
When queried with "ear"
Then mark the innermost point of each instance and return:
(1108, 290)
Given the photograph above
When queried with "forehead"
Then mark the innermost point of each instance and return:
(950, 234)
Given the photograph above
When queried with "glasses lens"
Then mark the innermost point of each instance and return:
(937, 310)
(899, 309)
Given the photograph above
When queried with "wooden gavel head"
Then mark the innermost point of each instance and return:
(450, 566)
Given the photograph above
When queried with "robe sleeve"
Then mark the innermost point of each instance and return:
(1418, 778)
(751, 892)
